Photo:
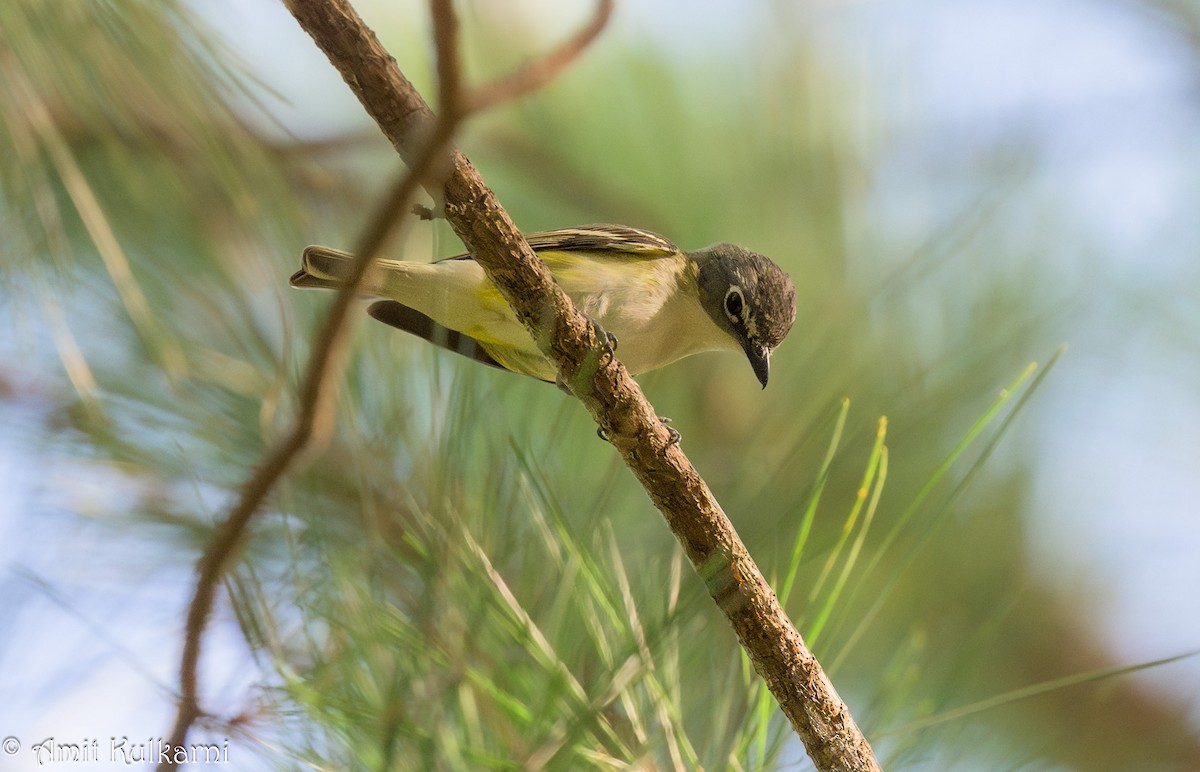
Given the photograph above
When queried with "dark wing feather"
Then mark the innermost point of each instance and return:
(620, 240)
(410, 320)
(614, 238)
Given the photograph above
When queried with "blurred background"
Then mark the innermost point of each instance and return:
(462, 576)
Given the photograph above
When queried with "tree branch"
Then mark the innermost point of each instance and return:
(315, 397)
(316, 393)
(537, 73)
(614, 400)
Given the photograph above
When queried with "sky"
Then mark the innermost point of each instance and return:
(1106, 92)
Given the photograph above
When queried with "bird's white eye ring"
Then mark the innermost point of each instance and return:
(734, 303)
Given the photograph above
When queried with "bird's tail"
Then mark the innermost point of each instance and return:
(325, 268)
(322, 268)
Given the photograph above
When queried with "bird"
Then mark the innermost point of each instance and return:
(659, 302)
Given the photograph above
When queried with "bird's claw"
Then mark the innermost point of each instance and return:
(607, 340)
(610, 345)
(674, 437)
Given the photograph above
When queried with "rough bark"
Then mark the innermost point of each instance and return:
(612, 397)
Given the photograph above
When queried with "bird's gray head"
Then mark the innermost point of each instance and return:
(749, 297)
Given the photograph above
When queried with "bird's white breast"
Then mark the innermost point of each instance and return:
(656, 317)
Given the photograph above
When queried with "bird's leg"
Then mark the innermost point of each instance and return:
(596, 359)
(609, 343)
(423, 212)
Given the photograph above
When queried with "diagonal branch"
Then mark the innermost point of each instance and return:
(317, 388)
(316, 393)
(538, 72)
(426, 157)
(614, 400)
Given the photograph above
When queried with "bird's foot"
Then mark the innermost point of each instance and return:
(607, 340)
(594, 362)
(674, 437)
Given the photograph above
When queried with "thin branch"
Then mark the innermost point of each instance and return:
(315, 402)
(615, 401)
(445, 35)
(540, 71)
(315, 406)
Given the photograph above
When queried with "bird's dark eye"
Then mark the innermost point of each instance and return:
(734, 304)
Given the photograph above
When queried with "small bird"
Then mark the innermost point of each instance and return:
(660, 303)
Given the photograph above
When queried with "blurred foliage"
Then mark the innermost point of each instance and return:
(463, 576)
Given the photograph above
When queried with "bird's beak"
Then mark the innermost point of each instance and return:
(760, 360)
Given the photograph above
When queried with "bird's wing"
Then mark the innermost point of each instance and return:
(619, 241)
(500, 356)
(413, 321)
